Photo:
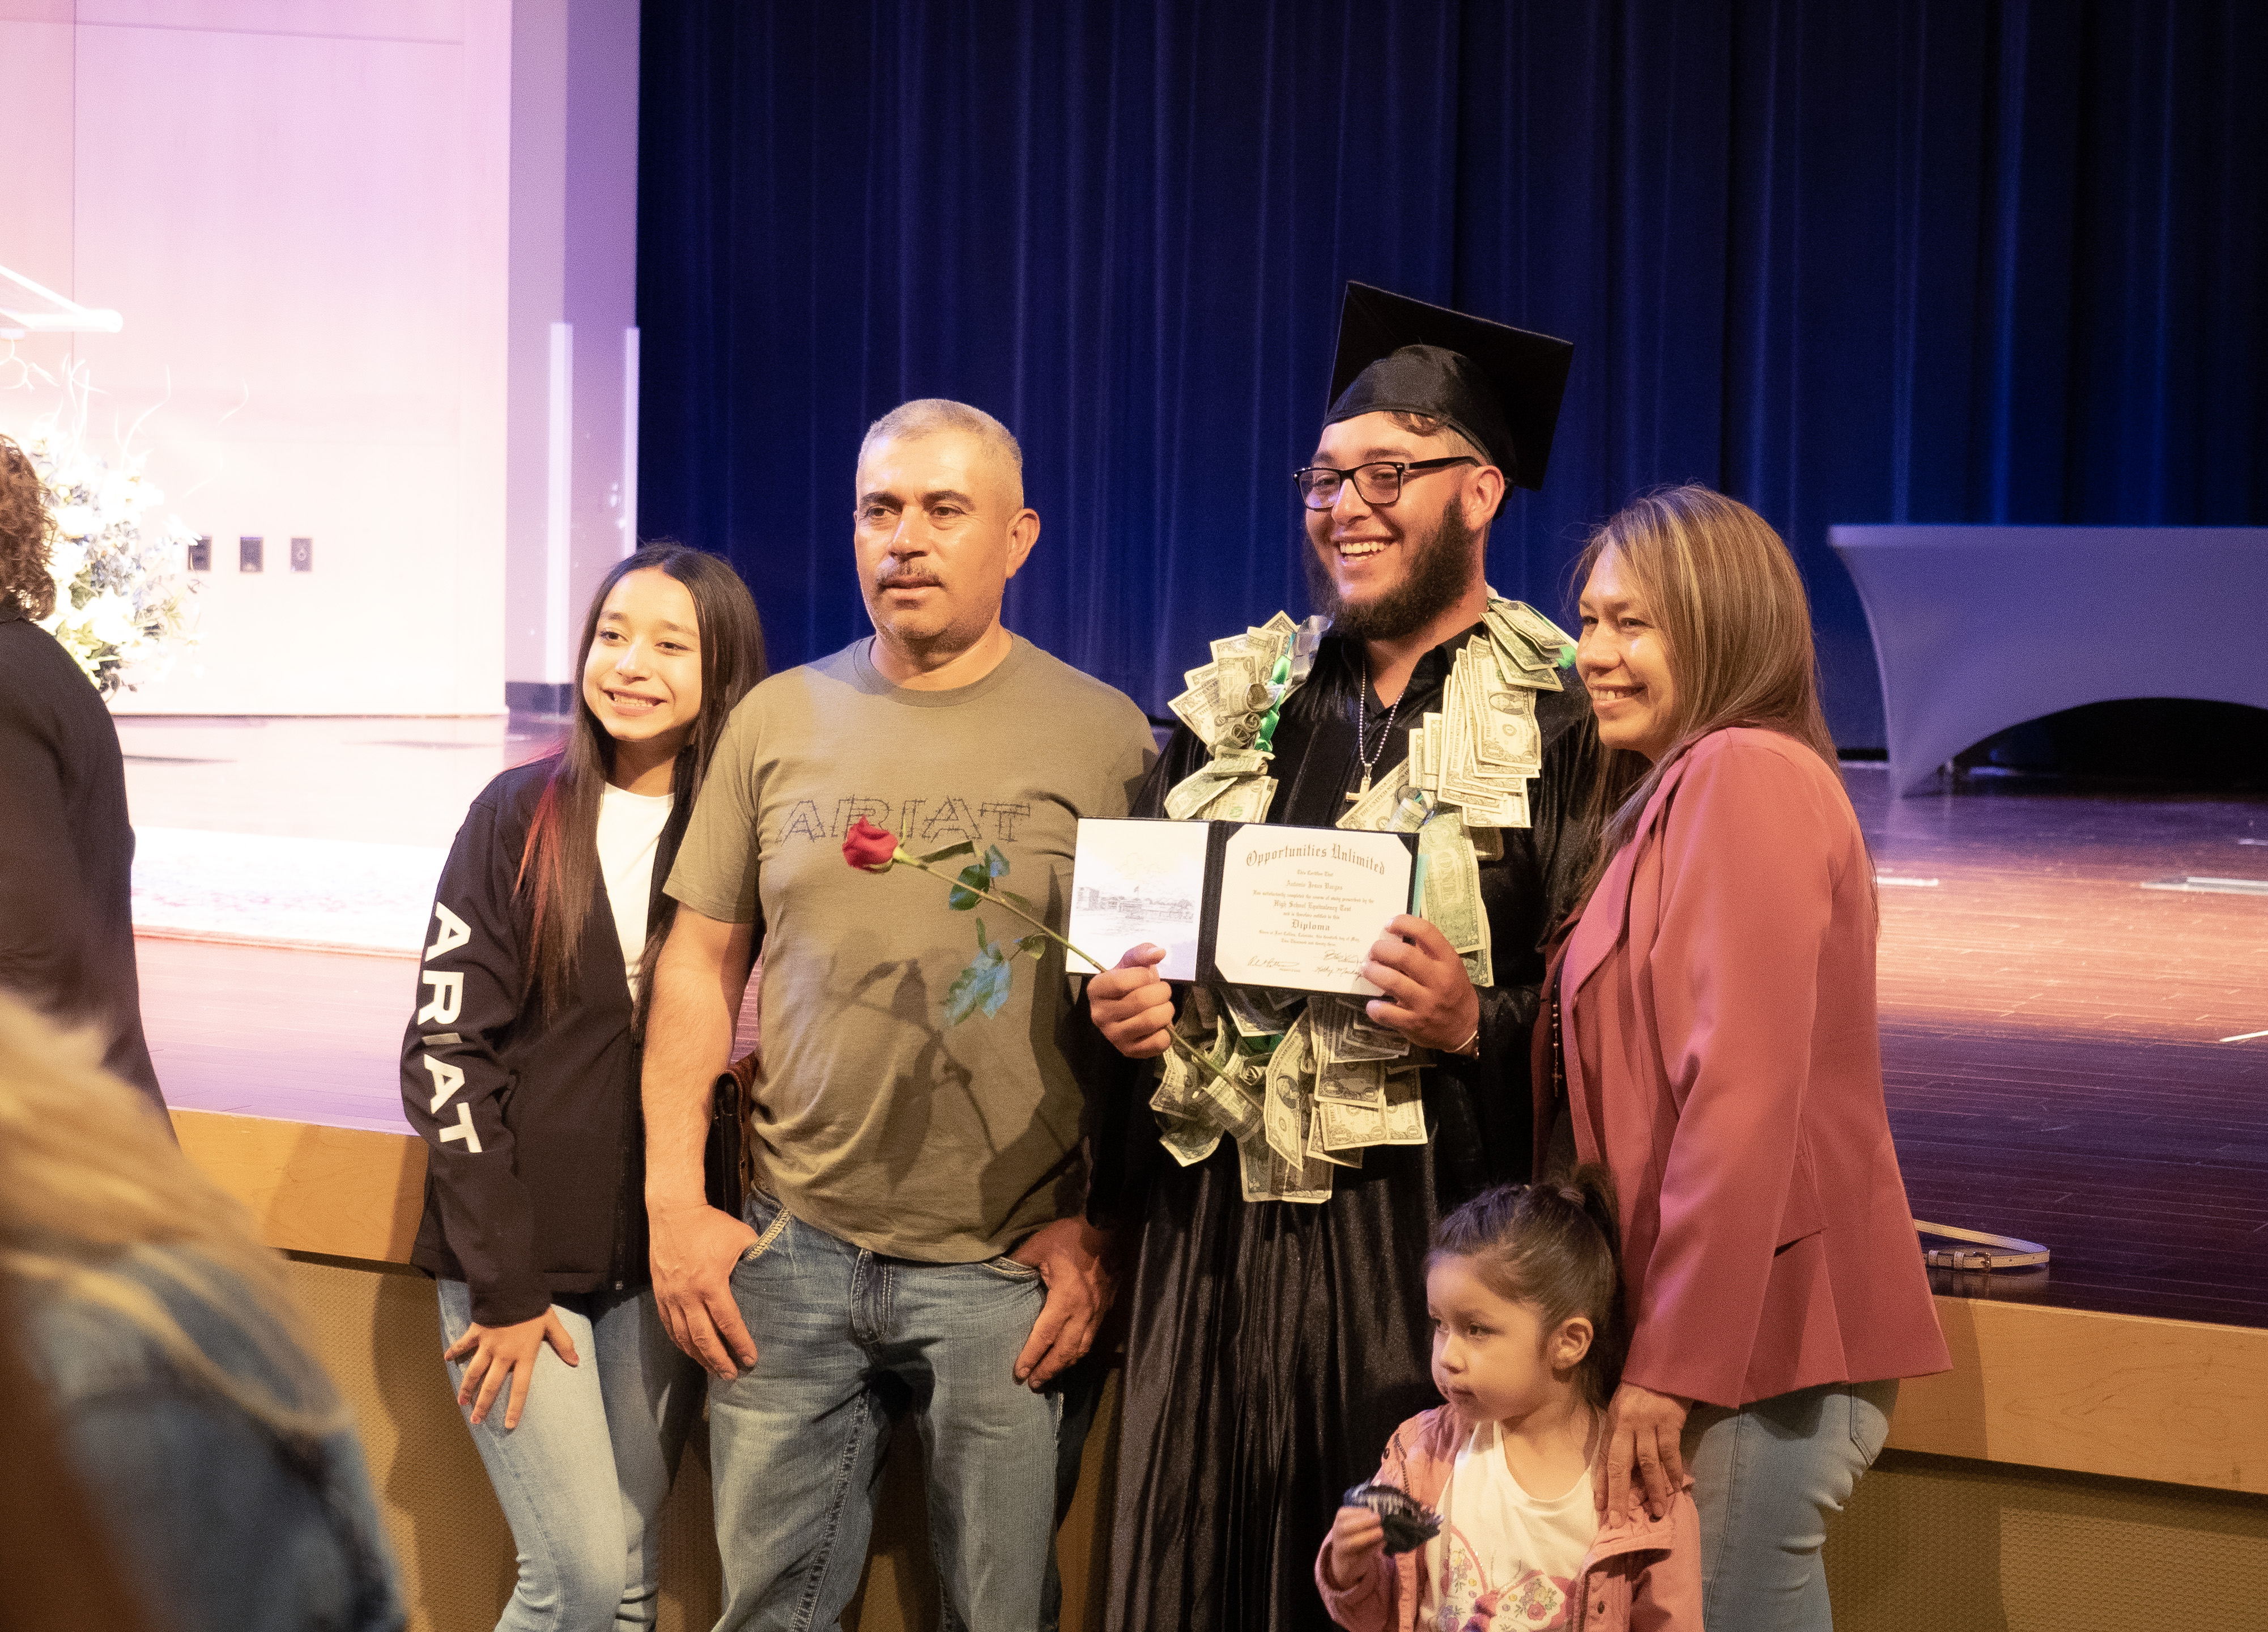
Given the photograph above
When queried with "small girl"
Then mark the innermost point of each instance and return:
(1524, 1289)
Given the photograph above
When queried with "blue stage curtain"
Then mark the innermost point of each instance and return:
(1944, 261)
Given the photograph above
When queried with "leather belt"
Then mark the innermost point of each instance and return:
(2020, 1254)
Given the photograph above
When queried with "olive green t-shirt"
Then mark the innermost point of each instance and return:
(873, 1121)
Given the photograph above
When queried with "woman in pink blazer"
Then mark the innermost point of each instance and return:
(1715, 1036)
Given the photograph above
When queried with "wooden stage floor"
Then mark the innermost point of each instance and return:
(2052, 1034)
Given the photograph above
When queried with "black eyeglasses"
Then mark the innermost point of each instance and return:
(1380, 482)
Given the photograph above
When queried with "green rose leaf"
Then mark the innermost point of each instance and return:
(969, 890)
(966, 847)
(995, 865)
(1014, 899)
(999, 981)
(1034, 944)
(968, 989)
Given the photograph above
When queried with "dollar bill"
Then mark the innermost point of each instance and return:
(1405, 1110)
(1267, 1177)
(1374, 810)
(1352, 1082)
(1212, 793)
(1415, 810)
(1194, 708)
(1286, 1084)
(1453, 881)
(1545, 634)
(1318, 1151)
(1342, 1127)
(1256, 1012)
(1193, 793)
(1308, 1179)
(1189, 1142)
(1342, 1032)
(1245, 799)
(1234, 1097)
(1256, 1168)
(1508, 734)
(1176, 1093)
(1520, 663)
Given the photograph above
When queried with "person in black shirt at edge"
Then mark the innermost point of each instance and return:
(1274, 1345)
(67, 868)
(520, 1070)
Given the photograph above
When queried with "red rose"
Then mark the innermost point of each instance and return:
(871, 848)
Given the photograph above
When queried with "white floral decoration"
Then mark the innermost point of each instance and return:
(123, 602)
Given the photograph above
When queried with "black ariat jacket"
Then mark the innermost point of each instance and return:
(535, 1158)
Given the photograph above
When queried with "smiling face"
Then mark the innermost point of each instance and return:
(1625, 661)
(642, 676)
(1492, 1359)
(1382, 572)
(940, 527)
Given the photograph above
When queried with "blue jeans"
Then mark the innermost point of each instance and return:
(1765, 1478)
(846, 1338)
(582, 1479)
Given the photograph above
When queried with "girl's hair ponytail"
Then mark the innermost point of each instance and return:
(1557, 1248)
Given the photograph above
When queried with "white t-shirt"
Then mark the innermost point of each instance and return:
(1496, 1535)
(629, 828)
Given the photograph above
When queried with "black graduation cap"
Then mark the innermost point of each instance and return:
(1499, 386)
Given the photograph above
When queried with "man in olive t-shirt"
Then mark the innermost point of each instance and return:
(919, 1234)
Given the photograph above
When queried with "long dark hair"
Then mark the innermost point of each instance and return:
(1556, 1248)
(1729, 603)
(559, 865)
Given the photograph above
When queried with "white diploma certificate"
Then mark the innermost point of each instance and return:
(1135, 882)
(1301, 907)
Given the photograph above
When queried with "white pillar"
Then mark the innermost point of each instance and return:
(630, 440)
(559, 510)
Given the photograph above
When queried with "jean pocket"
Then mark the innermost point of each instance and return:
(1871, 1404)
(1008, 1269)
(767, 1229)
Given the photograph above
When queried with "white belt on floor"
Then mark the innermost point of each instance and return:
(2021, 1254)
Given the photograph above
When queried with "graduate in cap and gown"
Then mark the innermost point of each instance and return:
(1275, 1344)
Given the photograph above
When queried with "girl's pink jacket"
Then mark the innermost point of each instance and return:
(1718, 1035)
(1640, 1575)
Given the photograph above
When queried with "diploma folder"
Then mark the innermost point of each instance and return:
(1239, 903)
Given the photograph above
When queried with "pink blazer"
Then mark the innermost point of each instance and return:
(1719, 1039)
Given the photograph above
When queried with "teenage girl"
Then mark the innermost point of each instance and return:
(1524, 1291)
(520, 1069)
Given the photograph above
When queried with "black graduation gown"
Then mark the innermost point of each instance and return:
(1272, 1348)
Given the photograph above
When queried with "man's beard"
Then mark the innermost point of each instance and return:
(1441, 566)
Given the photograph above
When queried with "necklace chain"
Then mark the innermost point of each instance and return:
(1362, 730)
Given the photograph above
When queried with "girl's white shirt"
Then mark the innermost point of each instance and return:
(629, 830)
(1494, 1535)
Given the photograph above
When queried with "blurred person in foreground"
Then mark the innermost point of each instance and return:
(221, 1466)
(66, 873)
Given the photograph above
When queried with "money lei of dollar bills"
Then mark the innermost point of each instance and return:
(1305, 1084)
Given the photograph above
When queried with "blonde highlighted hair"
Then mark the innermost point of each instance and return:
(99, 1205)
(1724, 592)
